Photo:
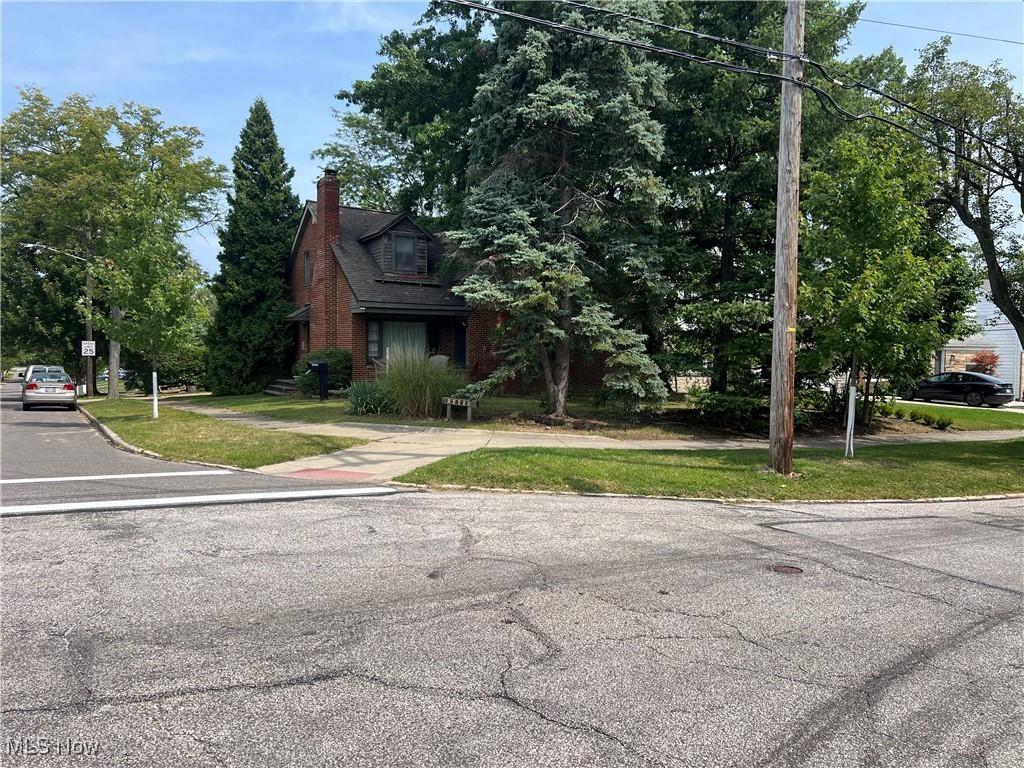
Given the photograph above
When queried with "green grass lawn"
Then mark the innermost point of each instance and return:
(491, 409)
(182, 435)
(967, 418)
(889, 472)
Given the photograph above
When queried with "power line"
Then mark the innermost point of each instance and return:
(547, 23)
(924, 29)
(828, 102)
(848, 81)
(770, 53)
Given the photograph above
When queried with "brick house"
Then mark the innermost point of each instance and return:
(366, 281)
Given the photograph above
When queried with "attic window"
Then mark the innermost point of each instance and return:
(405, 254)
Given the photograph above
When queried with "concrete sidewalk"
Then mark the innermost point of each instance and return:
(395, 449)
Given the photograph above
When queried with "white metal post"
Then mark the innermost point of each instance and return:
(156, 409)
(851, 411)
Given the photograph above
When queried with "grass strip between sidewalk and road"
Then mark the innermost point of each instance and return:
(966, 418)
(188, 436)
(877, 472)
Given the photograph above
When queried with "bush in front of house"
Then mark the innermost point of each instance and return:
(367, 398)
(736, 411)
(414, 386)
(943, 423)
(339, 371)
(916, 416)
(984, 361)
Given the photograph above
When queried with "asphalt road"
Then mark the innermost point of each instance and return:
(44, 444)
(516, 630)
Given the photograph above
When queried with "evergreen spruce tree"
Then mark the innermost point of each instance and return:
(563, 146)
(249, 340)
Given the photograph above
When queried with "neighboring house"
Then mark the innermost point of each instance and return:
(997, 335)
(366, 281)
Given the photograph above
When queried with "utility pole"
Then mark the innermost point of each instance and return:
(787, 226)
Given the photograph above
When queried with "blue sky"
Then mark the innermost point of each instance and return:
(204, 63)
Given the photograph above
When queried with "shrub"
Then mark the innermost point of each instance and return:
(943, 422)
(883, 409)
(739, 411)
(339, 371)
(984, 361)
(367, 398)
(830, 403)
(899, 413)
(916, 416)
(928, 420)
(414, 386)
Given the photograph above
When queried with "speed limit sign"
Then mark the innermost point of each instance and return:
(88, 349)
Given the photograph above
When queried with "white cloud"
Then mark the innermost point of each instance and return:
(368, 16)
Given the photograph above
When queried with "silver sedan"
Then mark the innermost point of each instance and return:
(49, 389)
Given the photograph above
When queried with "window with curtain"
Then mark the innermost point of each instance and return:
(385, 338)
(405, 337)
(405, 254)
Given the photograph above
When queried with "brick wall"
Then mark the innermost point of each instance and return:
(323, 295)
(481, 359)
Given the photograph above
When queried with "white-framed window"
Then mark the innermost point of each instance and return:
(405, 253)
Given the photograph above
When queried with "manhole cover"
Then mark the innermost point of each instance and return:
(784, 568)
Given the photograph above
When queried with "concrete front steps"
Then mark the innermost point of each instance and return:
(282, 387)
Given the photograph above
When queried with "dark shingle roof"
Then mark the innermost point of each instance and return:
(373, 288)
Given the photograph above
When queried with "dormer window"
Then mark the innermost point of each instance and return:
(405, 254)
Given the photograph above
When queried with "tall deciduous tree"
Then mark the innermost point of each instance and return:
(421, 99)
(983, 104)
(722, 135)
(115, 188)
(59, 172)
(377, 169)
(146, 278)
(249, 340)
(564, 147)
(882, 289)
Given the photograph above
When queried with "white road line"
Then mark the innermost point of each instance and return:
(187, 473)
(192, 501)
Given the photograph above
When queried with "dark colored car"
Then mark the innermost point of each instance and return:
(962, 387)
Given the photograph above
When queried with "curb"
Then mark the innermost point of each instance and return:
(121, 444)
(710, 500)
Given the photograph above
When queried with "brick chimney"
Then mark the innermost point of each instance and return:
(323, 303)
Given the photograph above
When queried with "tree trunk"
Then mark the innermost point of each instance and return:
(981, 226)
(114, 359)
(865, 406)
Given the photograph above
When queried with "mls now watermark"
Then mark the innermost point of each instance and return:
(38, 746)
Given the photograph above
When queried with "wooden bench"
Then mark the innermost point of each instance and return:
(463, 402)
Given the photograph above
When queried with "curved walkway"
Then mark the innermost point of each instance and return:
(395, 449)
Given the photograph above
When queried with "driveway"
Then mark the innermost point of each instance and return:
(53, 458)
(517, 630)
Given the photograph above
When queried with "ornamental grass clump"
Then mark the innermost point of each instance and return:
(414, 386)
(367, 398)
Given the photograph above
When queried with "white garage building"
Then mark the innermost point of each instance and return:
(997, 335)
